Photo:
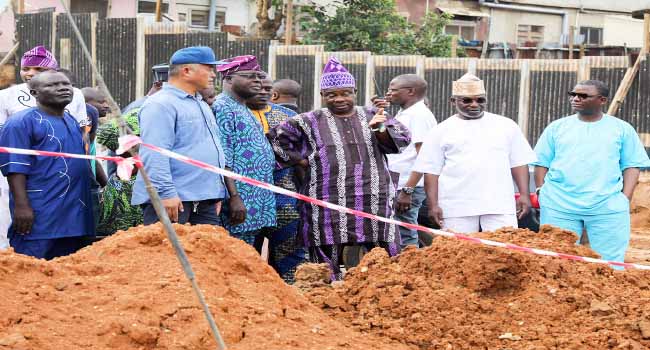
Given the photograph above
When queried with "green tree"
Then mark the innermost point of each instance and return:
(376, 26)
(431, 39)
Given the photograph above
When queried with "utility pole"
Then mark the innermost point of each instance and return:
(158, 10)
(288, 24)
(572, 34)
(212, 15)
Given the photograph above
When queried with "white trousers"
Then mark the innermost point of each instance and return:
(472, 224)
(5, 214)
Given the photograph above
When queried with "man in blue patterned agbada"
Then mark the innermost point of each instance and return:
(249, 210)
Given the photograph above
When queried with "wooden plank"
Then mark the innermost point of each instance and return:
(140, 74)
(646, 33)
(524, 97)
(626, 83)
(65, 57)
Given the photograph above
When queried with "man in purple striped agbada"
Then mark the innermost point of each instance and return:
(342, 149)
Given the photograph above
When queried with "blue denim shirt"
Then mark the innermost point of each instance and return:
(175, 120)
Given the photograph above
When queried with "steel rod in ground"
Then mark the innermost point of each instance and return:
(153, 193)
(182, 256)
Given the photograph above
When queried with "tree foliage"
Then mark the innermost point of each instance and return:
(376, 26)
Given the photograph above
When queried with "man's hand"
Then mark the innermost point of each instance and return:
(378, 119)
(403, 202)
(523, 206)
(435, 212)
(218, 207)
(237, 210)
(173, 206)
(23, 219)
(379, 102)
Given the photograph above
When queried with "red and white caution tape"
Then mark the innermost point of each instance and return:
(124, 165)
(130, 141)
(125, 168)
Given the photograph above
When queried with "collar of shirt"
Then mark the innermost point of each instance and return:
(416, 106)
(180, 93)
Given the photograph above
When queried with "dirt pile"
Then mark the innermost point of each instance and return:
(459, 295)
(128, 292)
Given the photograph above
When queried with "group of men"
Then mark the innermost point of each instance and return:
(465, 168)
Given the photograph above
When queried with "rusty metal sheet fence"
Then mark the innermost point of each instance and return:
(531, 92)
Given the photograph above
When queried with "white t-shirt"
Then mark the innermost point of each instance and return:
(419, 120)
(473, 159)
(17, 98)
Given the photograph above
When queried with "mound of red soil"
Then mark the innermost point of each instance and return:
(460, 295)
(129, 292)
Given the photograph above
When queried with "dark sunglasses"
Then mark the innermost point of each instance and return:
(469, 100)
(251, 76)
(582, 96)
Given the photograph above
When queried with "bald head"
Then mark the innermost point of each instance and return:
(97, 99)
(286, 91)
(406, 90)
(418, 84)
(52, 90)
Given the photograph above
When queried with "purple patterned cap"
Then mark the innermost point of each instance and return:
(234, 64)
(335, 75)
(39, 57)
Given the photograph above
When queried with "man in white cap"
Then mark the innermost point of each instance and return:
(469, 162)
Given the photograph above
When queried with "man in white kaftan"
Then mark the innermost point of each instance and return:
(470, 161)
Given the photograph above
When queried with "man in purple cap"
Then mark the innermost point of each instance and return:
(177, 119)
(249, 210)
(18, 98)
(343, 149)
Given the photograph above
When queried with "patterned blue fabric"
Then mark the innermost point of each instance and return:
(285, 250)
(247, 153)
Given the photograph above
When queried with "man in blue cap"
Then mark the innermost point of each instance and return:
(177, 119)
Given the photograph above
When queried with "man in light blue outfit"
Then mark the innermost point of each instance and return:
(177, 119)
(587, 169)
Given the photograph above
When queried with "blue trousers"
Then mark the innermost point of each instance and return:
(194, 213)
(609, 234)
(46, 248)
(410, 237)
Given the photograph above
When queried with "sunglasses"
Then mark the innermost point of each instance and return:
(251, 76)
(469, 100)
(580, 95)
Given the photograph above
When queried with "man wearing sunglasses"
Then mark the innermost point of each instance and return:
(249, 210)
(587, 169)
(469, 161)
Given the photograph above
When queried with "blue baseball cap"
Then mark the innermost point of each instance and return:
(194, 55)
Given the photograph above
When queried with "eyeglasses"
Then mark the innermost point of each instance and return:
(251, 76)
(581, 95)
(469, 100)
(399, 88)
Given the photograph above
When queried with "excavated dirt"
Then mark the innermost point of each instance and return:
(460, 295)
(129, 292)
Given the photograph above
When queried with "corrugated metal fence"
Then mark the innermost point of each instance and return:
(124, 49)
(531, 92)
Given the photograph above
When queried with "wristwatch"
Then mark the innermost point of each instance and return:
(537, 190)
(408, 190)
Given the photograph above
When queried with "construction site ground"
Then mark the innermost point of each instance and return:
(128, 291)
